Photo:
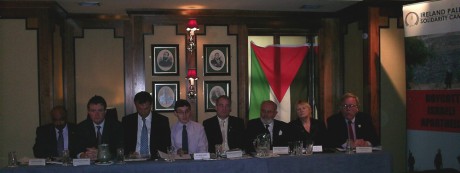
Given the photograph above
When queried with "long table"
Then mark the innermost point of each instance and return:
(319, 162)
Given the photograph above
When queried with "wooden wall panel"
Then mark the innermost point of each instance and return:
(372, 67)
(330, 69)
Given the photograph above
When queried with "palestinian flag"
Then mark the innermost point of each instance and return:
(278, 73)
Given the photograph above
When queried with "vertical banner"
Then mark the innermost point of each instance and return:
(432, 46)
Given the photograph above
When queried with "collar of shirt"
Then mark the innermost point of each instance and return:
(181, 124)
(102, 127)
(64, 131)
(222, 120)
(352, 120)
(148, 120)
(270, 125)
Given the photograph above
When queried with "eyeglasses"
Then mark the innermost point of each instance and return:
(348, 106)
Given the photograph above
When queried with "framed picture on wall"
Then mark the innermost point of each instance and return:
(212, 90)
(216, 59)
(165, 95)
(165, 59)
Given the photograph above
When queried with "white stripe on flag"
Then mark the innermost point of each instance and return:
(284, 107)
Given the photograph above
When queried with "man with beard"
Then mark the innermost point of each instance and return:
(278, 130)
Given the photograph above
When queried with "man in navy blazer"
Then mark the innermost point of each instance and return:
(223, 128)
(157, 128)
(46, 141)
(362, 131)
(98, 130)
(279, 131)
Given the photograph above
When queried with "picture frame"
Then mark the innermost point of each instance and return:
(165, 59)
(165, 94)
(216, 59)
(212, 90)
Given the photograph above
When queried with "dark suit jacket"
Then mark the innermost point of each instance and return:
(338, 132)
(160, 133)
(235, 133)
(111, 134)
(317, 131)
(281, 133)
(46, 142)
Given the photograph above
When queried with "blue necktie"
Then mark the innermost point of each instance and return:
(60, 143)
(184, 139)
(99, 135)
(144, 150)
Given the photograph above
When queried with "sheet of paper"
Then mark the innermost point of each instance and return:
(78, 162)
(177, 157)
(201, 156)
(318, 148)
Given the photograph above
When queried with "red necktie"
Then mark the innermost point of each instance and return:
(351, 135)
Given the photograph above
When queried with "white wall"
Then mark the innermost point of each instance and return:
(18, 88)
(99, 70)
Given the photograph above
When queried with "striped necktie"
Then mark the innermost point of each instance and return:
(144, 150)
(99, 135)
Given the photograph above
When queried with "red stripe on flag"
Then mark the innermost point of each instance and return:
(280, 65)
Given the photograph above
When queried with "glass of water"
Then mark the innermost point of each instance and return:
(12, 159)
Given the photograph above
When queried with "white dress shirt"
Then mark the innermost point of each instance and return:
(197, 141)
(102, 127)
(223, 123)
(270, 128)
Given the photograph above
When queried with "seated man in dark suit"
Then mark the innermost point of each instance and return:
(349, 123)
(279, 131)
(98, 130)
(223, 128)
(55, 137)
(147, 125)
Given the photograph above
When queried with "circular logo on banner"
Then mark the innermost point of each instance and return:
(411, 19)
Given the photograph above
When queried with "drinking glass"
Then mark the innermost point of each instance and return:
(65, 158)
(298, 148)
(309, 148)
(120, 159)
(349, 147)
(103, 154)
(171, 154)
(12, 159)
(291, 146)
(218, 151)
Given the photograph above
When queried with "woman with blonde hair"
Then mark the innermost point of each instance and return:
(305, 128)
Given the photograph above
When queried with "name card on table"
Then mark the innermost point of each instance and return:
(318, 148)
(80, 162)
(363, 149)
(280, 150)
(37, 162)
(234, 154)
(201, 156)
